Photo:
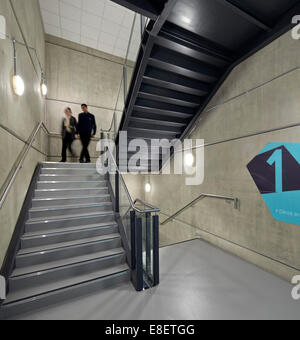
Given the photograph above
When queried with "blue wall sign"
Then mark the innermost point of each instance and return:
(276, 172)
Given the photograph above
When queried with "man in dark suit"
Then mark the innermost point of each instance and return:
(87, 129)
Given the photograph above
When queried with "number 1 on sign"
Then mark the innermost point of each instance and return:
(277, 159)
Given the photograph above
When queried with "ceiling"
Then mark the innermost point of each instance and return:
(99, 24)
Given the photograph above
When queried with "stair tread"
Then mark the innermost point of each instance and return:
(70, 206)
(18, 272)
(68, 182)
(70, 189)
(27, 293)
(55, 246)
(65, 169)
(68, 198)
(70, 163)
(67, 217)
(71, 175)
(69, 229)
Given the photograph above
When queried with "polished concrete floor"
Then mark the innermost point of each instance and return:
(198, 281)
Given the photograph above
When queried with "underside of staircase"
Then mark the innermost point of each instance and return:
(71, 243)
(188, 50)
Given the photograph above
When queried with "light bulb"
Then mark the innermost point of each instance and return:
(44, 89)
(186, 20)
(18, 85)
(189, 159)
(148, 187)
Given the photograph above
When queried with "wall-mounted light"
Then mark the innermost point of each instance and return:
(189, 159)
(186, 20)
(148, 187)
(44, 89)
(18, 83)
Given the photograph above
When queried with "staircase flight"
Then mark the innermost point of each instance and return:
(188, 49)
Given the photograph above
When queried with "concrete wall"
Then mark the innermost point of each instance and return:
(78, 74)
(250, 232)
(20, 115)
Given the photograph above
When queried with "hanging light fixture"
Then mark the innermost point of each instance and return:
(44, 88)
(18, 83)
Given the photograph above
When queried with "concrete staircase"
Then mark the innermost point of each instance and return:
(71, 244)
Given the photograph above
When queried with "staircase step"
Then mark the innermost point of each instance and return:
(47, 165)
(68, 229)
(69, 210)
(52, 202)
(71, 245)
(49, 253)
(64, 262)
(67, 244)
(71, 178)
(70, 171)
(13, 308)
(70, 193)
(71, 185)
(66, 236)
(53, 292)
(69, 221)
(57, 273)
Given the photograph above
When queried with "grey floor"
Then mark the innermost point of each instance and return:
(198, 281)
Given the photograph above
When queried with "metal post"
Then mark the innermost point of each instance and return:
(117, 184)
(139, 255)
(155, 250)
(15, 56)
(125, 82)
(132, 237)
(148, 244)
(113, 126)
(143, 24)
(236, 203)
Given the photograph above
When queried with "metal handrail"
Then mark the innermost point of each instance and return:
(111, 125)
(199, 198)
(7, 188)
(58, 135)
(133, 203)
(146, 205)
(41, 125)
(152, 208)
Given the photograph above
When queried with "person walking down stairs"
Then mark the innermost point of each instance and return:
(87, 129)
(68, 132)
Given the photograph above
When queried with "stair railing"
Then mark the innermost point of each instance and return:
(139, 221)
(14, 173)
(199, 198)
(140, 226)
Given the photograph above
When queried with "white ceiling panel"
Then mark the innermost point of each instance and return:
(51, 18)
(100, 24)
(53, 30)
(70, 36)
(51, 6)
(70, 26)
